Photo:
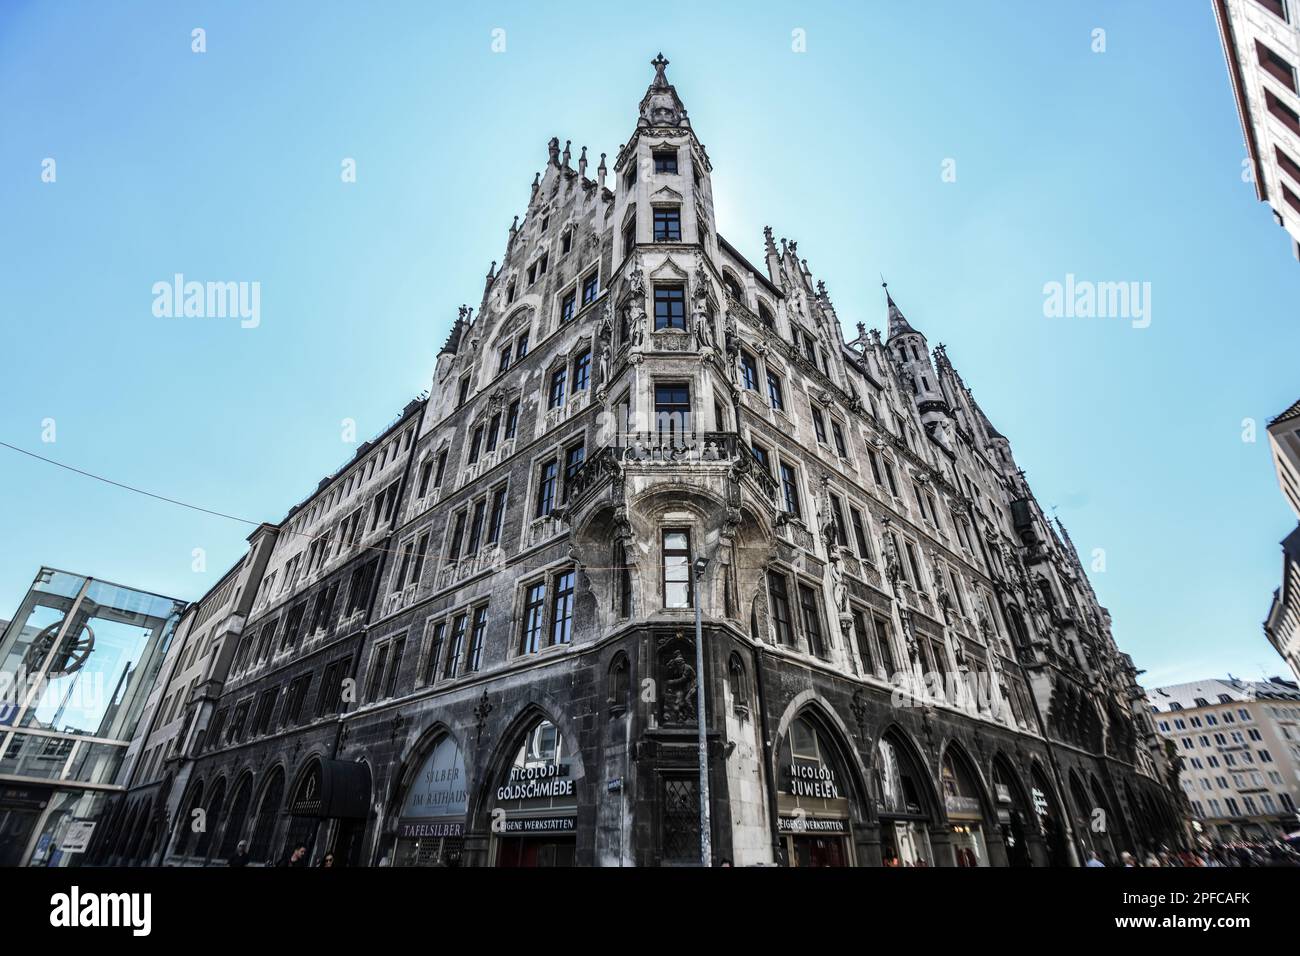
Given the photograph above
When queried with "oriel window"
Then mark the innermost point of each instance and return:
(672, 412)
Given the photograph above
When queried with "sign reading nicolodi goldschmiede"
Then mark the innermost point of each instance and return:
(537, 783)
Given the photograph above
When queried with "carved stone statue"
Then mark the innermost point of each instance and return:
(679, 691)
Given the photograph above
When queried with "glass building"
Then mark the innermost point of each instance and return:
(76, 665)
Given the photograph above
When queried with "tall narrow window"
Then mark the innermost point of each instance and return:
(748, 371)
(504, 363)
(582, 371)
(558, 377)
(493, 430)
(672, 412)
(860, 534)
(457, 534)
(567, 307)
(812, 620)
(498, 515)
(512, 419)
(837, 512)
(534, 618)
(864, 642)
(573, 459)
(426, 473)
(677, 568)
(421, 548)
(774, 393)
(475, 445)
(562, 618)
(456, 648)
(521, 347)
(837, 433)
(546, 488)
(790, 490)
(779, 607)
(394, 667)
(441, 470)
(477, 638)
(590, 287)
(476, 527)
(624, 579)
(819, 425)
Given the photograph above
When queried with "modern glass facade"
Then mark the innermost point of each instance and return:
(76, 665)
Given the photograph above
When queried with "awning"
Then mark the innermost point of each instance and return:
(334, 788)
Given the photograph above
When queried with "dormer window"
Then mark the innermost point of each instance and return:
(665, 161)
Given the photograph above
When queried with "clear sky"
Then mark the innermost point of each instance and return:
(1123, 165)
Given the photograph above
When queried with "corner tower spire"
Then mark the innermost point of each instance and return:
(661, 106)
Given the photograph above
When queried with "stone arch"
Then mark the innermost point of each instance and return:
(1053, 823)
(237, 815)
(388, 830)
(807, 703)
(191, 801)
(1019, 828)
(212, 810)
(270, 808)
(618, 684)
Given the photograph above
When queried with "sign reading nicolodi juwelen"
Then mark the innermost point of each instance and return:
(816, 782)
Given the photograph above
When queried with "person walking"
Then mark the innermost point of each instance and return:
(240, 856)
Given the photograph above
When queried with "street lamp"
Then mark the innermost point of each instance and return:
(706, 851)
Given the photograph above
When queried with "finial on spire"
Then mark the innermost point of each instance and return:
(660, 63)
(553, 150)
(567, 154)
(769, 246)
(600, 172)
(582, 163)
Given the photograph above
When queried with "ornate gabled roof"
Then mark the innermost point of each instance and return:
(661, 106)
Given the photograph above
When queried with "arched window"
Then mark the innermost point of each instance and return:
(619, 685)
(901, 804)
(212, 814)
(268, 816)
(765, 316)
(234, 830)
(1013, 813)
(185, 825)
(733, 287)
(961, 799)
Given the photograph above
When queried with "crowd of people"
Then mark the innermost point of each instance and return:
(1258, 853)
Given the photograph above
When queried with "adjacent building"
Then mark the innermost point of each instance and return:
(1282, 626)
(1238, 743)
(77, 663)
(1261, 43)
(475, 643)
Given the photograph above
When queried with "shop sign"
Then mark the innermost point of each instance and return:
(77, 837)
(968, 806)
(418, 831)
(809, 781)
(1003, 792)
(1040, 802)
(537, 783)
(539, 825)
(805, 824)
(439, 790)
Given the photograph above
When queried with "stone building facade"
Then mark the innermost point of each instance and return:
(904, 662)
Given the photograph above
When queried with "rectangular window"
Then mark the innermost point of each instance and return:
(534, 618)
(779, 610)
(475, 445)
(1274, 63)
(629, 237)
(837, 512)
(864, 642)
(426, 474)
(677, 568)
(790, 490)
(841, 448)
(477, 638)
(748, 371)
(672, 411)
(463, 394)
(665, 161)
(421, 549)
(504, 364)
(521, 347)
(761, 456)
(812, 619)
(582, 371)
(435, 652)
(457, 535)
(546, 488)
(493, 430)
(512, 419)
(441, 470)
(774, 394)
(573, 459)
(476, 527)
(556, 394)
(567, 307)
(668, 224)
(670, 307)
(1284, 113)
(886, 645)
(590, 288)
(916, 567)
(819, 426)
(1275, 7)
(456, 648)
(498, 515)
(860, 534)
(394, 667)
(562, 617)
(377, 664)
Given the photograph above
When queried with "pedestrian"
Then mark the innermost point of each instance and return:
(327, 862)
(1126, 859)
(240, 856)
(298, 857)
(1093, 859)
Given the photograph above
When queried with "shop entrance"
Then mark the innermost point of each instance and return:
(903, 808)
(812, 807)
(431, 825)
(534, 812)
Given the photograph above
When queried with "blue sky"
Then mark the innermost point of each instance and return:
(1115, 166)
